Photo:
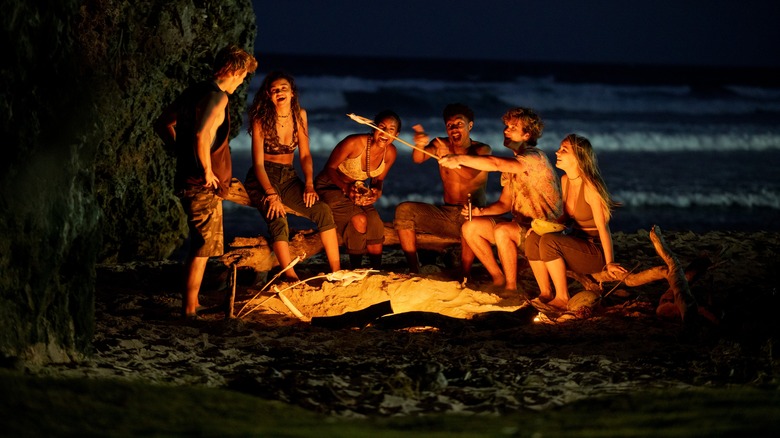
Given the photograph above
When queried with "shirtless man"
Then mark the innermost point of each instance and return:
(444, 220)
(531, 190)
(197, 126)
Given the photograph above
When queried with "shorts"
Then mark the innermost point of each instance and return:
(204, 220)
(439, 220)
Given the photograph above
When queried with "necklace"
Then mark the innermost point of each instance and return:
(578, 177)
(282, 123)
(368, 155)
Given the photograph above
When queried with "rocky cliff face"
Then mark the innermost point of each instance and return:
(85, 179)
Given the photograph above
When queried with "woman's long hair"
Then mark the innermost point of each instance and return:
(589, 169)
(263, 110)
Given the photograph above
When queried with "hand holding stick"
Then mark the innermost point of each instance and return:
(365, 121)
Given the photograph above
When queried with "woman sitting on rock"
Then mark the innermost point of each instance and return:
(279, 127)
(351, 183)
(585, 247)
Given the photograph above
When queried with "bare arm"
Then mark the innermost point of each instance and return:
(349, 147)
(605, 235)
(421, 140)
(304, 155)
(274, 200)
(503, 205)
(468, 173)
(212, 116)
(490, 163)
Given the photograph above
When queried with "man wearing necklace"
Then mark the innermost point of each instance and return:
(461, 186)
(351, 182)
(531, 190)
(197, 126)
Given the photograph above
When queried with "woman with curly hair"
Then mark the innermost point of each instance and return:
(279, 127)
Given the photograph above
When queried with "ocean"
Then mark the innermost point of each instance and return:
(684, 149)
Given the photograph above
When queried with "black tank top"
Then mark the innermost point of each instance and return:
(189, 171)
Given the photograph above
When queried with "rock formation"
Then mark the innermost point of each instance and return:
(84, 178)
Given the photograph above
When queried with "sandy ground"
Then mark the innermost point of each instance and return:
(490, 354)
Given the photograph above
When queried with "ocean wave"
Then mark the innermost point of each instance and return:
(544, 94)
(604, 138)
(757, 199)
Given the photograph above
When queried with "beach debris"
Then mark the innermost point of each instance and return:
(286, 268)
(292, 307)
(684, 301)
(357, 319)
(345, 276)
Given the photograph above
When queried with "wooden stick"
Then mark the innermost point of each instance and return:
(292, 263)
(365, 121)
(619, 282)
(232, 300)
(292, 307)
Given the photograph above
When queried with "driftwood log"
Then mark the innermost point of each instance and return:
(256, 253)
(677, 301)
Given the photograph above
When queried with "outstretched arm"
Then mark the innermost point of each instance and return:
(490, 163)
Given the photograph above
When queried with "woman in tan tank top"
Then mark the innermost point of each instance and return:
(587, 247)
(351, 183)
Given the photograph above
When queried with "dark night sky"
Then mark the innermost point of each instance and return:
(672, 32)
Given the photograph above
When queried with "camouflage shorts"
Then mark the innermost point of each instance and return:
(204, 218)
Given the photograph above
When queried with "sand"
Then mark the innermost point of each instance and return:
(497, 365)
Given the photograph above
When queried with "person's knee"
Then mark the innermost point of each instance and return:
(549, 247)
(531, 247)
(468, 229)
(279, 230)
(360, 223)
(403, 218)
(322, 215)
(505, 231)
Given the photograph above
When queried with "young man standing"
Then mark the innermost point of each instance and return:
(531, 190)
(460, 186)
(197, 126)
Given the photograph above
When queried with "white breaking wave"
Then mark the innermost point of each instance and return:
(758, 199)
(614, 117)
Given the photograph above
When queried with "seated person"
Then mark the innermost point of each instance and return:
(279, 127)
(530, 190)
(460, 186)
(587, 247)
(351, 183)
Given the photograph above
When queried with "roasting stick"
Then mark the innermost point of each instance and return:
(365, 121)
